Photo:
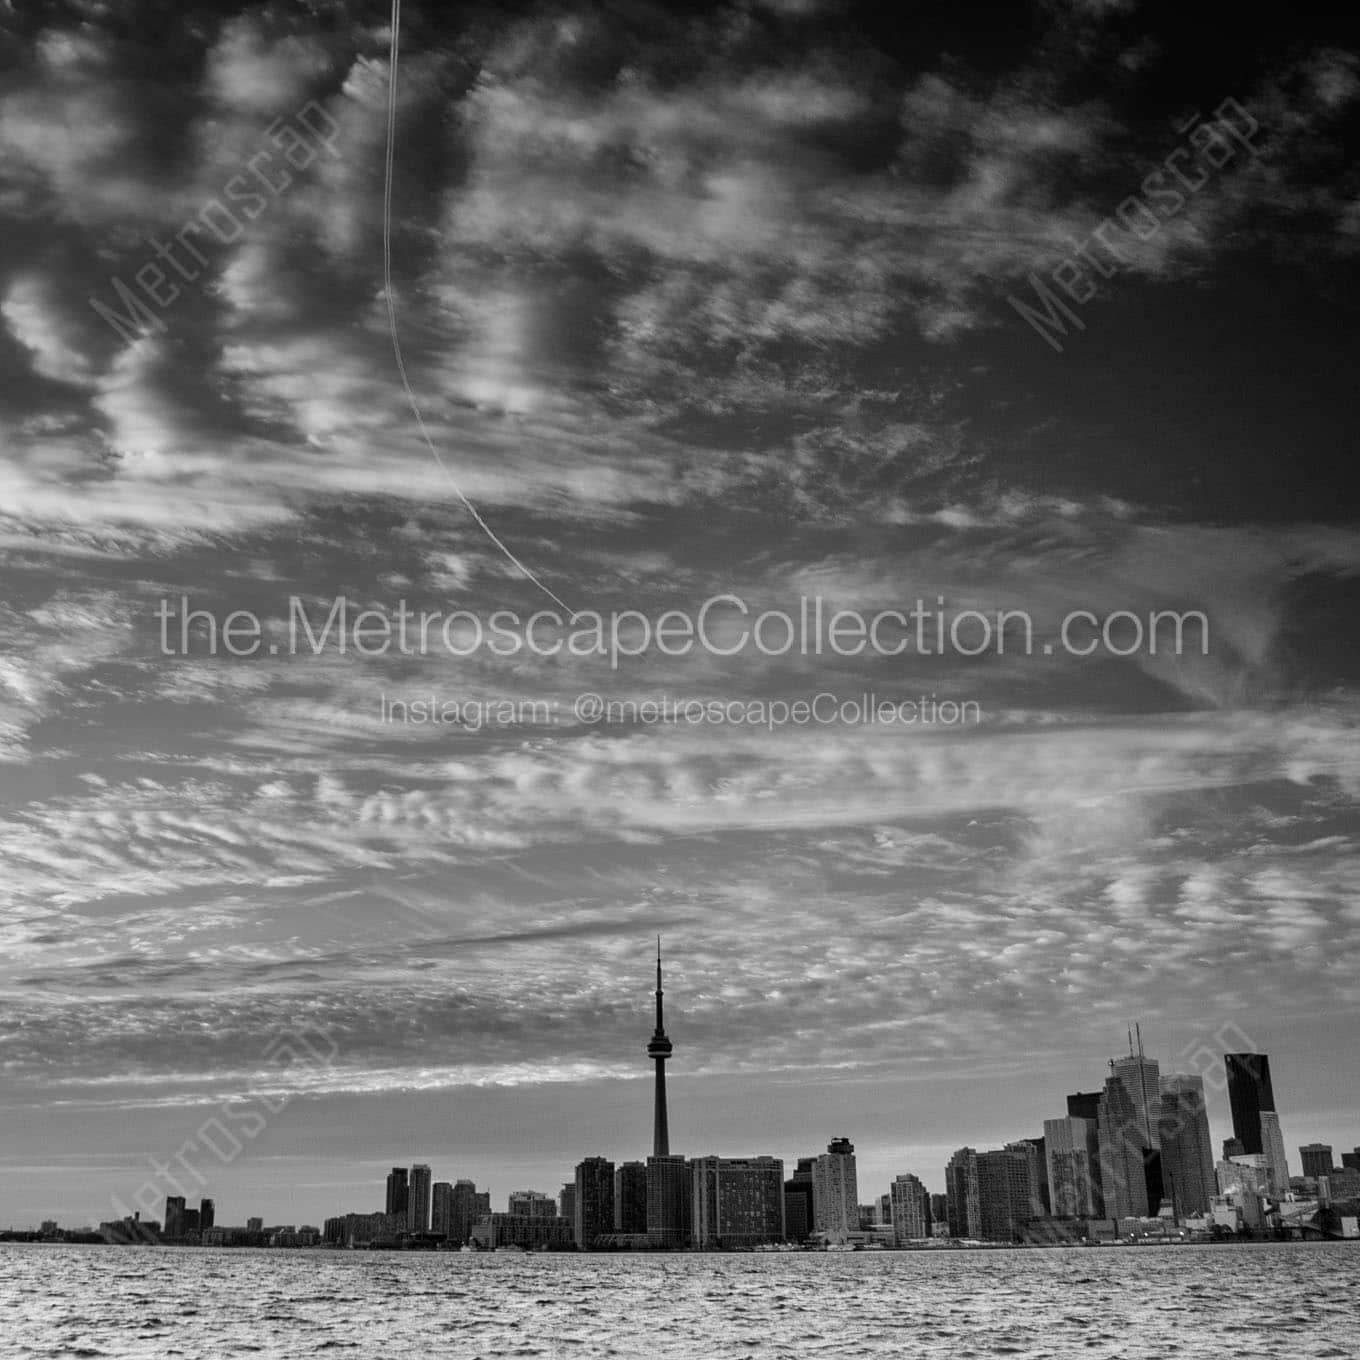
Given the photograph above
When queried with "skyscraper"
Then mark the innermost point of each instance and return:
(418, 1199)
(1255, 1123)
(961, 1187)
(630, 1198)
(1316, 1159)
(1006, 1194)
(1141, 1078)
(593, 1210)
(566, 1203)
(174, 1215)
(441, 1210)
(910, 1202)
(1123, 1174)
(1187, 1150)
(397, 1191)
(738, 1201)
(658, 1050)
(1249, 1092)
(835, 1193)
(798, 1201)
(464, 1211)
(207, 1213)
(1272, 1146)
(1071, 1151)
(670, 1202)
(1032, 1150)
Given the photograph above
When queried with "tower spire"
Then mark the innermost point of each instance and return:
(658, 1050)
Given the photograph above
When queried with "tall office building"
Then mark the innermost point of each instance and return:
(910, 1202)
(1005, 1182)
(798, 1201)
(883, 1210)
(441, 1209)
(1256, 1125)
(397, 1191)
(1350, 1161)
(566, 1203)
(207, 1213)
(835, 1193)
(670, 1202)
(1249, 1092)
(961, 1187)
(1141, 1078)
(465, 1211)
(174, 1215)
(738, 1201)
(1032, 1150)
(593, 1211)
(1272, 1148)
(939, 1212)
(1123, 1168)
(1044, 1202)
(659, 1048)
(1316, 1159)
(531, 1204)
(418, 1199)
(1187, 1150)
(1072, 1152)
(630, 1198)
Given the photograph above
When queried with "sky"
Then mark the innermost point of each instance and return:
(735, 301)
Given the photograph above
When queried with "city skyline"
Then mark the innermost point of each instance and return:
(935, 421)
(1242, 1080)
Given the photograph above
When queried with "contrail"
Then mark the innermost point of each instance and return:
(392, 320)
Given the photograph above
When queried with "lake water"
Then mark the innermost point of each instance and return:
(1290, 1301)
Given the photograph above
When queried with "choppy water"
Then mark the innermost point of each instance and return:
(1270, 1300)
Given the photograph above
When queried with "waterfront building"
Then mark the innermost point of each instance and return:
(910, 1202)
(531, 1204)
(630, 1198)
(418, 1199)
(670, 1202)
(529, 1232)
(738, 1201)
(835, 1193)
(441, 1210)
(174, 1215)
(593, 1203)
(1042, 1200)
(961, 1185)
(1032, 1150)
(1187, 1149)
(207, 1213)
(798, 1201)
(1072, 1151)
(1005, 1190)
(466, 1206)
(566, 1201)
(397, 1190)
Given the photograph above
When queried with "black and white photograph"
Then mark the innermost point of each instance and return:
(679, 681)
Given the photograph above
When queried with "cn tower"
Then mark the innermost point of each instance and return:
(658, 1050)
